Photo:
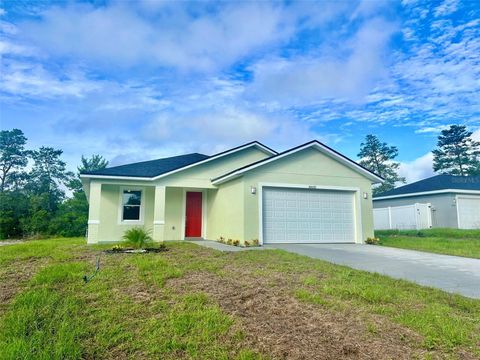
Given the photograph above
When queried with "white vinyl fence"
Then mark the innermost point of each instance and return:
(408, 217)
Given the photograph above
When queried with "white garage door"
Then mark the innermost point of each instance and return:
(293, 215)
(468, 212)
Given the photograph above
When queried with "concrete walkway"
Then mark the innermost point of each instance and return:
(449, 273)
(223, 247)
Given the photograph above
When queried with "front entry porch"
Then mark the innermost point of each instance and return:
(168, 212)
(180, 213)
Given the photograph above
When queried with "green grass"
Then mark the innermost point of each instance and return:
(441, 241)
(436, 232)
(128, 311)
(446, 321)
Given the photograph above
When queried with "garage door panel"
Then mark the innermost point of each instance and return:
(294, 215)
(468, 212)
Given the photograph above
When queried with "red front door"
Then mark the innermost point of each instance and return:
(193, 214)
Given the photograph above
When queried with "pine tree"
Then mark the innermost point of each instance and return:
(378, 157)
(457, 153)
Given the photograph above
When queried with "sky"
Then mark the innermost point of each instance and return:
(140, 80)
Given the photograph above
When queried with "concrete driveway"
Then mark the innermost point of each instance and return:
(449, 273)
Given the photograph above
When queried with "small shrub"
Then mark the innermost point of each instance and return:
(137, 237)
(246, 243)
(236, 242)
(230, 242)
(372, 240)
(222, 240)
(255, 242)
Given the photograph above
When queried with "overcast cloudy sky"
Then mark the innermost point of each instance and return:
(146, 79)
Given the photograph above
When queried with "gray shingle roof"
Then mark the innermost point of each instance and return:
(150, 168)
(439, 182)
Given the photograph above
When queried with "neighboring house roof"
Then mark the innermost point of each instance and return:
(153, 169)
(435, 184)
(312, 144)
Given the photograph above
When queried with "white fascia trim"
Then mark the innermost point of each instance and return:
(319, 147)
(86, 176)
(456, 191)
(93, 222)
(256, 144)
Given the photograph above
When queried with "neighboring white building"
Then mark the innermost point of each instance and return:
(454, 203)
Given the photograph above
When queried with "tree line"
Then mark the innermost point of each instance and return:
(33, 186)
(33, 183)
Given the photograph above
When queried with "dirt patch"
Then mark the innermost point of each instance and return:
(15, 277)
(278, 324)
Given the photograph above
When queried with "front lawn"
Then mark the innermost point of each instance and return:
(198, 303)
(441, 241)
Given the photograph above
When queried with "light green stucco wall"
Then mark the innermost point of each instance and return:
(225, 211)
(173, 213)
(307, 167)
(109, 228)
(105, 205)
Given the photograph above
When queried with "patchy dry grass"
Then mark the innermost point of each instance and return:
(196, 303)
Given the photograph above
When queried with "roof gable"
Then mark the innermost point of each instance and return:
(154, 169)
(312, 144)
(435, 183)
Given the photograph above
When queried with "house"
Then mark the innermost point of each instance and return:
(310, 193)
(454, 200)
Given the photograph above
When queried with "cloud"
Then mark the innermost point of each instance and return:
(431, 129)
(147, 79)
(476, 135)
(447, 7)
(33, 80)
(348, 72)
(225, 127)
(176, 37)
(418, 169)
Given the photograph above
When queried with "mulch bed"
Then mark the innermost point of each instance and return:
(136, 251)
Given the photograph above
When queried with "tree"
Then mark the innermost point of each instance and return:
(95, 162)
(457, 153)
(45, 189)
(13, 156)
(13, 209)
(49, 174)
(72, 215)
(378, 157)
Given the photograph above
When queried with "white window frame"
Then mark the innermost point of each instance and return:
(142, 206)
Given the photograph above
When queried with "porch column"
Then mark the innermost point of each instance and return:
(94, 211)
(159, 214)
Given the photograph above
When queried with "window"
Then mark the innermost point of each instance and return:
(131, 204)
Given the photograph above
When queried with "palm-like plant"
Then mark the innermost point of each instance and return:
(137, 237)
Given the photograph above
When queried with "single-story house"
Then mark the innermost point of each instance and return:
(454, 200)
(307, 194)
